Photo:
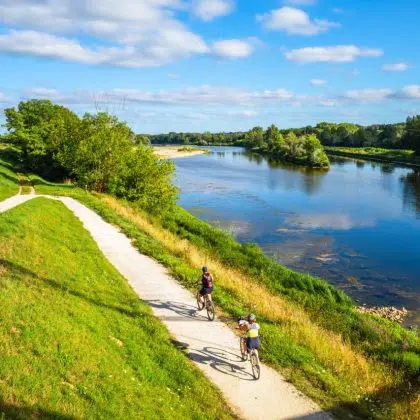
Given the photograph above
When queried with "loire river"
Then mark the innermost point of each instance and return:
(356, 225)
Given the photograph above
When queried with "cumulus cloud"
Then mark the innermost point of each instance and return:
(336, 54)
(318, 82)
(208, 10)
(232, 48)
(395, 67)
(368, 95)
(411, 92)
(141, 34)
(51, 46)
(294, 22)
(201, 95)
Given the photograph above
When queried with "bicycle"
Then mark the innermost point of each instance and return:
(206, 302)
(253, 357)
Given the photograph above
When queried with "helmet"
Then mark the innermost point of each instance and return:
(205, 269)
(251, 317)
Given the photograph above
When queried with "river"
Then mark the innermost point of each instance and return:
(356, 225)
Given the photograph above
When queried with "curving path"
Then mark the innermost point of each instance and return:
(212, 346)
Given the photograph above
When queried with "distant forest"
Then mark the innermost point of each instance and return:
(404, 135)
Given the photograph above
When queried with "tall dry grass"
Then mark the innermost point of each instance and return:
(330, 348)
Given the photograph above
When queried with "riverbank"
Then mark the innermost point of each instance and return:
(170, 152)
(398, 157)
(313, 335)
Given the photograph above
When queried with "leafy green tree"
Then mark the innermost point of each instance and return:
(273, 138)
(255, 137)
(411, 139)
(38, 127)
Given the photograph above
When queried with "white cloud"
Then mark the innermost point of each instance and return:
(301, 2)
(395, 67)
(142, 33)
(336, 54)
(174, 75)
(294, 22)
(40, 44)
(411, 92)
(232, 48)
(368, 95)
(328, 102)
(318, 82)
(208, 10)
(4, 97)
(201, 95)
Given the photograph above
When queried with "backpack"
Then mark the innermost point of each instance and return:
(207, 280)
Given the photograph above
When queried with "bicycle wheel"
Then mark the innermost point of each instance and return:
(242, 345)
(200, 302)
(210, 310)
(256, 371)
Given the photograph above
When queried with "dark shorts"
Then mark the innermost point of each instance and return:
(253, 343)
(206, 291)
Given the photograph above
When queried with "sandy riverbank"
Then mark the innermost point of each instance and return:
(177, 152)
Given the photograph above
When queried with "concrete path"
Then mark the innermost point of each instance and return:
(212, 346)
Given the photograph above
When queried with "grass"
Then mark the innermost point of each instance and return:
(9, 183)
(376, 153)
(75, 340)
(346, 361)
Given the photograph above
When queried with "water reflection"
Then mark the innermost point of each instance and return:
(411, 191)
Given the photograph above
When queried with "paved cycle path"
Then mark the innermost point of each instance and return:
(212, 346)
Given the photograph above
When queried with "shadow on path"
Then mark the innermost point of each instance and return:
(223, 361)
(188, 312)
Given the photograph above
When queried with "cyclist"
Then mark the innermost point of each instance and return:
(252, 335)
(206, 281)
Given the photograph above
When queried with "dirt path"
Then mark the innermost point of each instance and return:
(211, 345)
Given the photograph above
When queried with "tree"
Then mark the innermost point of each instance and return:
(38, 127)
(273, 138)
(411, 139)
(255, 137)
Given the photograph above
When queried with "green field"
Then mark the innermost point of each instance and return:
(75, 340)
(8, 178)
(376, 153)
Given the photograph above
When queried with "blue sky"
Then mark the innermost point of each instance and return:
(210, 65)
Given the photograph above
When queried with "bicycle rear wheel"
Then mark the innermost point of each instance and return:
(210, 310)
(200, 302)
(256, 370)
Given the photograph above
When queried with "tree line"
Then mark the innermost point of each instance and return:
(391, 136)
(98, 151)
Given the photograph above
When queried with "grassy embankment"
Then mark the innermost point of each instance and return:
(406, 157)
(9, 183)
(311, 332)
(75, 340)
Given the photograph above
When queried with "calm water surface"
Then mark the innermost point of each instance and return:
(356, 225)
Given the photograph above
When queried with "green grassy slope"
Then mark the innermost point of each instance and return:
(75, 341)
(8, 178)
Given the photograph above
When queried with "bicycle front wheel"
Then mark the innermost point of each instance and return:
(256, 370)
(200, 303)
(244, 352)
